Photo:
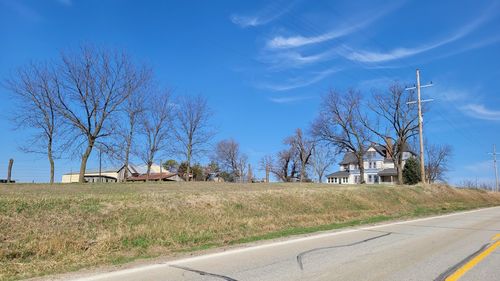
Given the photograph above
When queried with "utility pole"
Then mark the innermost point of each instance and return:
(494, 154)
(9, 171)
(420, 123)
(100, 165)
(420, 130)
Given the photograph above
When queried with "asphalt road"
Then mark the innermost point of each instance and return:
(461, 246)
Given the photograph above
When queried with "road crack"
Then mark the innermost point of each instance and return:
(301, 255)
(204, 273)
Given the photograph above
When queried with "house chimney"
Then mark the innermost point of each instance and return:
(390, 150)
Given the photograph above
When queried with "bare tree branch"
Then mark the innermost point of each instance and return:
(92, 86)
(396, 123)
(339, 124)
(304, 148)
(192, 128)
(155, 127)
(230, 159)
(436, 166)
(34, 89)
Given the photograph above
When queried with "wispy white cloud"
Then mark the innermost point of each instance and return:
(283, 100)
(281, 42)
(450, 95)
(294, 59)
(399, 53)
(299, 82)
(267, 15)
(472, 46)
(299, 41)
(479, 111)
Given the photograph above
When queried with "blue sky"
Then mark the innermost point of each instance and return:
(264, 65)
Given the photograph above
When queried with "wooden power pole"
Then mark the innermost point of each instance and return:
(494, 153)
(9, 171)
(419, 102)
(420, 129)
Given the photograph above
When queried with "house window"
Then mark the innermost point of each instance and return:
(335, 180)
(369, 178)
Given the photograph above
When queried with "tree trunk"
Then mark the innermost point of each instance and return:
(399, 167)
(267, 173)
(85, 158)
(302, 172)
(51, 160)
(129, 146)
(9, 171)
(148, 172)
(127, 156)
(361, 170)
(188, 169)
(125, 172)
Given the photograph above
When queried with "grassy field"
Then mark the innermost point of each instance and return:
(50, 229)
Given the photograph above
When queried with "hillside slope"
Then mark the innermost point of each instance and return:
(47, 229)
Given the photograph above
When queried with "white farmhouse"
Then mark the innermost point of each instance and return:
(378, 165)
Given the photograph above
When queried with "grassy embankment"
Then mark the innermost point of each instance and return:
(46, 229)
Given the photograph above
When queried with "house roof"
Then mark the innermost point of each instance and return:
(349, 158)
(338, 174)
(106, 170)
(388, 172)
(152, 176)
(143, 169)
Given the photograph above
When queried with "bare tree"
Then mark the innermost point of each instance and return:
(192, 128)
(155, 125)
(436, 166)
(266, 165)
(133, 110)
(230, 159)
(286, 167)
(249, 174)
(92, 85)
(340, 125)
(34, 89)
(304, 148)
(132, 113)
(322, 158)
(396, 124)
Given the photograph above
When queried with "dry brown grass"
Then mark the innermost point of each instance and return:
(49, 229)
